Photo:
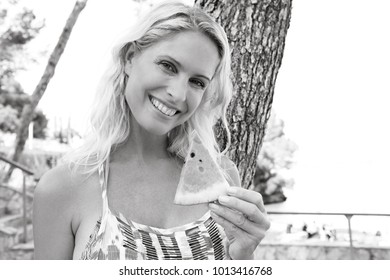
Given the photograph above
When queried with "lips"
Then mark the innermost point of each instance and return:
(163, 108)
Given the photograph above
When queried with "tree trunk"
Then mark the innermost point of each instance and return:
(256, 31)
(28, 109)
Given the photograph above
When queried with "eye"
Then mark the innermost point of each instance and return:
(198, 83)
(166, 65)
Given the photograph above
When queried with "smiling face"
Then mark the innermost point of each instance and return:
(168, 80)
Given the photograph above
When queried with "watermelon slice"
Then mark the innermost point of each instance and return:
(201, 179)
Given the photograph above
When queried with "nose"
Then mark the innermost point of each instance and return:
(177, 89)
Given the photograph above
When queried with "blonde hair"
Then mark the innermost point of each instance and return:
(110, 115)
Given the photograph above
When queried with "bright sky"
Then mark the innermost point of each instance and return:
(332, 91)
(333, 94)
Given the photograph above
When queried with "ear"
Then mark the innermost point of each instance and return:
(128, 67)
(129, 57)
(128, 63)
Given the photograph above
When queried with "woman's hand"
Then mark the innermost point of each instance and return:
(242, 214)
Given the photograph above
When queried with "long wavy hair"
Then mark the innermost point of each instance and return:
(110, 114)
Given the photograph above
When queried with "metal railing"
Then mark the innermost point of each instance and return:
(347, 215)
(26, 172)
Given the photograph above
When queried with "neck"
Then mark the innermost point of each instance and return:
(143, 145)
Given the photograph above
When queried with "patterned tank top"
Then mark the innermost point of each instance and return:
(115, 238)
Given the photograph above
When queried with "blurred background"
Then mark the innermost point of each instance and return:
(325, 156)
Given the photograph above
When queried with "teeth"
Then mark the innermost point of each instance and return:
(162, 108)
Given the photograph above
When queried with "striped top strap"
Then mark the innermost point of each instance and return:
(103, 179)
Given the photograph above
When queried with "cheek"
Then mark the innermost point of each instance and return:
(134, 97)
(130, 97)
(135, 89)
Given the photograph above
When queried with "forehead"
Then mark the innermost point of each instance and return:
(193, 50)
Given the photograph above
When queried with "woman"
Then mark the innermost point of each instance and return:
(114, 198)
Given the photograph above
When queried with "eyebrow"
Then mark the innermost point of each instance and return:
(181, 66)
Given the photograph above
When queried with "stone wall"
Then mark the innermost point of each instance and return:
(317, 252)
(265, 252)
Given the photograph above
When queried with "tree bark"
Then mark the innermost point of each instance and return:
(257, 31)
(28, 109)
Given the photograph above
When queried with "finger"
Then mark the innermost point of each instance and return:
(236, 218)
(233, 231)
(249, 196)
(249, 209)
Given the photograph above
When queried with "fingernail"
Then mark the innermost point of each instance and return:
(232, 190)
(223, 199)
(213, 206)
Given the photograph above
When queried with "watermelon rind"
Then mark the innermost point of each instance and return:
(202, 196)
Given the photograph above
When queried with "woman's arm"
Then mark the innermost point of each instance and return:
(52, 216)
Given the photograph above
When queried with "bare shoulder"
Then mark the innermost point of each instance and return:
(231, 170)
(53, 182)
(53, 211)
(57, 187)
(60, 184)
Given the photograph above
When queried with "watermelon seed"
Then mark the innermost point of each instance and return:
(192, 155)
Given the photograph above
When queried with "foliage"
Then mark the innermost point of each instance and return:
(18, 26)
(16, 102)
(40, 123)
(8, 118)
(276, 156)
